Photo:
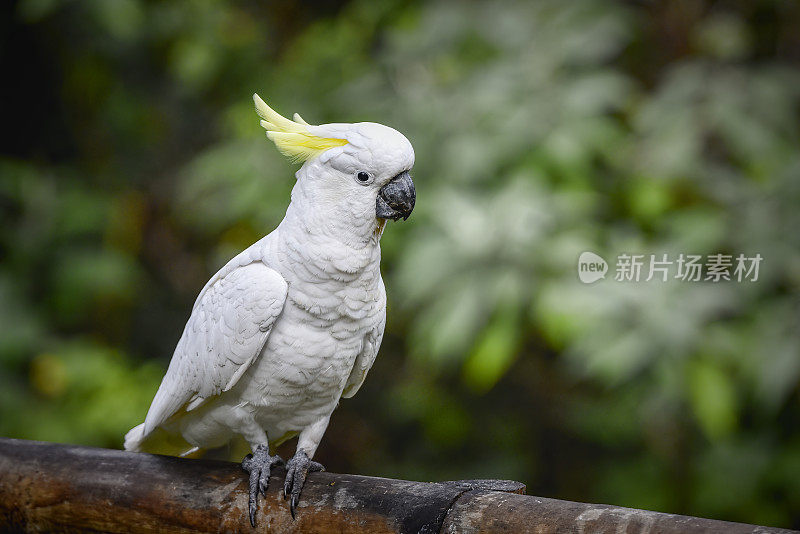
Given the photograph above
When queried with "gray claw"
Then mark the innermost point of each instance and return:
(297, 470)
(258, 465)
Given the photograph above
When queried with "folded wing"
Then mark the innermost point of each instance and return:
(228, 328)
(364, 361)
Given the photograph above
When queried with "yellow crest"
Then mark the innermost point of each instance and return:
(292, 137)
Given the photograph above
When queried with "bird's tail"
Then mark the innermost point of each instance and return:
(159, 441)
(134, 438)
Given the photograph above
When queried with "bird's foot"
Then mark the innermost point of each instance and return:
(259, 465)
(296, 471)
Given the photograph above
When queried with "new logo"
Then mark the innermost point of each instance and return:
(591, 267)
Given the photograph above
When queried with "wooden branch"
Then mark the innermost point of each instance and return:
(47, 486)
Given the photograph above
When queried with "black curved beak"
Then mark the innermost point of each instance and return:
(396, 199)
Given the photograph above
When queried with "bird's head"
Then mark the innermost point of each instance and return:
(360, 170)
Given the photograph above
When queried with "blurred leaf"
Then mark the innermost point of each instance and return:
(90, 278)
(713, 399)
(494, 353)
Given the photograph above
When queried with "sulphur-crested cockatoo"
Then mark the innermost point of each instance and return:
(293, 323)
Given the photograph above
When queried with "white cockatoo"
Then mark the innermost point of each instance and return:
(293, 323)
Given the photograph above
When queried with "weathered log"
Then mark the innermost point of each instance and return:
(504, 512)
(52, 487)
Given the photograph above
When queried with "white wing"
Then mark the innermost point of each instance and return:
(365, 359)
(229, 325)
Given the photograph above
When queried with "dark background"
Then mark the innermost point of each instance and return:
(132, 167)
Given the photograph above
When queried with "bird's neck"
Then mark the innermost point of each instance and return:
(330, 247)
(346, 227)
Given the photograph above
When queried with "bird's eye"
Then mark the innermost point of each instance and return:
(363, 177)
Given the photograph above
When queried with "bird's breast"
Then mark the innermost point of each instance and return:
(313, 345)
(335, 298)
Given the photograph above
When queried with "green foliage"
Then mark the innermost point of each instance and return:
(542, 129)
